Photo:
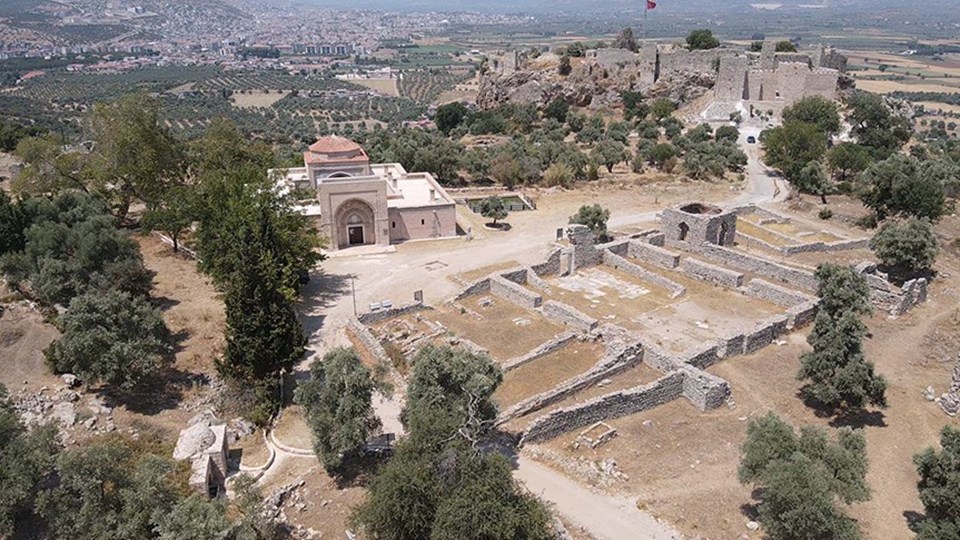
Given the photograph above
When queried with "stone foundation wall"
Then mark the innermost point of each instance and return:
(619, 247)
(517, 275)
(568, 316)
(614, 405)
(702, 356)
(585, 252)
(480, 286)
(730, 345)
(704, 390)
(802, 315)
(627, 357)
(658, 358)
(649, 253)
(775, 294)
(750, 263)
(368, 340)
(518, 294)
(374, 317)
(551, 266)
(712, 274)
(544, 349)
(764, 333)
(675, 289)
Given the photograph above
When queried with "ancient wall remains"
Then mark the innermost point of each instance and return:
(518, 294)
(712, 274)
(674, 289)
(374, 317)
(614, 405)
(655, 255)
(479, 286)
(768, 55)
(698, 223)
(568, 316)
(764, 333)
(544, 349)
(551, 266)
(585, 252)
(368, 341)
(775, 294)
(757, 265)
(731, 79)
(705, 391)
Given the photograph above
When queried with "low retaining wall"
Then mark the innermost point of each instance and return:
(609, 366)
(702, 356)
(775, 294)
(480, 286)
(368, 341)
(518, 294)
(544, 349)
(374, 317)
(711, 273)
(824, 247)
(704, 390)
(764, 333)
(658, 358)
(551, 266)
(750, 263)
(654, 255)
(802, 315)
(568, 316)
(618, 262)
(614, 405)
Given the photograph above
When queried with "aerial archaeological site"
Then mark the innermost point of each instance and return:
(443, 270)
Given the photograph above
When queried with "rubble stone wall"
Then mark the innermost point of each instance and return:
(479, 286)
(368, 340)
(517, 275)
(614, 405)
(655, 255)
(704, 390)
(374, 317)
(711, 273)
(551, 266)
(512, 292)
(731, 78)
(618, 262)
(803, 314)
(568, 316)
(775, 294)
(764, 333)
(757, 265)
(544, 349)
(702, 356)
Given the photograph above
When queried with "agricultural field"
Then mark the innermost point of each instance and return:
(270, 104)
(425, 86)
(886, 73)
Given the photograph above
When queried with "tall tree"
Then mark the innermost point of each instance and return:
(450, 116)
(338, 403)
(897, 186)
(816, 110)
(836, 372)
(940, 488)
(908, 246)
(134, 156)
(493, 208)
(111, 337)
(792, 146)
(875, 126)
(847, 160)
(801, 478)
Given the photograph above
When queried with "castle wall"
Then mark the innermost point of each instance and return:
(731, 79)
(681, 61)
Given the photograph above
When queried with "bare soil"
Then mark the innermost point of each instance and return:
(548, 371)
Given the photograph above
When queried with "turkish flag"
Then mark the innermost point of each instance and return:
(651, 4)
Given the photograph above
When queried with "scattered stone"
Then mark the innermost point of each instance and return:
(64, 413)
(753, 525)
(930, 394)
(69, 379)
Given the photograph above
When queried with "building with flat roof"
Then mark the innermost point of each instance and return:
(359, 203)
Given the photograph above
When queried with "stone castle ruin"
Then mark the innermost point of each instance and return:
(671, 71)
(657, 309)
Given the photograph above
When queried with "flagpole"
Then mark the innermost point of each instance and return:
(646, 8)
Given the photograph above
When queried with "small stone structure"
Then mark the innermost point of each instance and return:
(699, 223)
(950, 402)
(204, 443)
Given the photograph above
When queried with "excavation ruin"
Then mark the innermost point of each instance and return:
(611, 329)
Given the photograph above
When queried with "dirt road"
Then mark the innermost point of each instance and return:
(605, 517)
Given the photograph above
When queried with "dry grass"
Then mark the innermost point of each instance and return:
(547, 372)
(256, 98)
(384, 86)
(292, 429)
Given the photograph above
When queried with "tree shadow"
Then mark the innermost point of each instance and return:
(914, 519)
(322, 291)
(159, 393)
(499, 226)
(357, 471)
(852, 418)
(165, 302)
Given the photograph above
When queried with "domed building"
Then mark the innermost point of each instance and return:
(359, 203)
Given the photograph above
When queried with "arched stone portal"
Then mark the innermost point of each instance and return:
(355, 224)
(684, 230)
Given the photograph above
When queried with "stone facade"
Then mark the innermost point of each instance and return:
(699, 223)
